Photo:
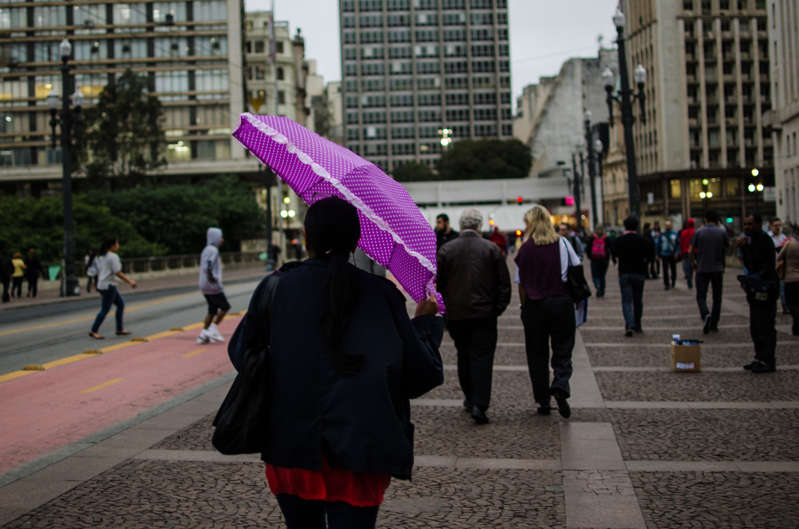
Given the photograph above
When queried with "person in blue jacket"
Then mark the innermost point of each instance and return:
(667, 246)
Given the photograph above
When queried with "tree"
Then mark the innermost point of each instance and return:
(123, 137)
(413, 172)
(484, 159)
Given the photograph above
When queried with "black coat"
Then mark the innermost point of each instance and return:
(360, 423)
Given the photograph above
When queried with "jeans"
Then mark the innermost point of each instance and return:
(688, 270)
(314, 514)
(546, 321)
(654, 268)
(669, 270)
(475, 341)
(762, 318)
(599, 268)
(716, 280)
(110, 296)
(792, 299)
(632, 299)
(16, 287)
(783, 301)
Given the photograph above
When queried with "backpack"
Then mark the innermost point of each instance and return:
(599, 248)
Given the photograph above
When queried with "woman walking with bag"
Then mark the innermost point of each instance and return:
(788, 270)
(343, 361)
(547, 309)
(109, 268)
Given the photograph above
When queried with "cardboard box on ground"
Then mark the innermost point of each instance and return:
(686, 358)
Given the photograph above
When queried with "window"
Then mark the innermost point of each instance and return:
(259, 46)
(280, 74)
(279, 47)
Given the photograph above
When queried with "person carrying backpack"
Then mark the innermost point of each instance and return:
(668, 248)
(598, 249)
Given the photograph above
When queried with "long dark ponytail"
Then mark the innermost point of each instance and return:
(107, 244)
(332, 230)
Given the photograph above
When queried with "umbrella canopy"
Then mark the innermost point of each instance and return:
(393, 231)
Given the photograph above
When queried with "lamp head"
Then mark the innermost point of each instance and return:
(618, 19)
(587, 116)
(599, 146)
(65, 49)
(77, 98)
(52, 100)
(640, 75)
(608, 78)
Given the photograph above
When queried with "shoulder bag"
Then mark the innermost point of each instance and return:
(576, 285)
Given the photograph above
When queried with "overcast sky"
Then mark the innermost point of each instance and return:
(543, 33)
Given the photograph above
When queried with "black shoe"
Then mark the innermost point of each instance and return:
(628, 333)
(544, 410)
(665, 287)
(639, 330)
(751, 364)
(563, 405)
(714, 329)
(467, 406)
(762, 367)
(707, 325)
(479, 416)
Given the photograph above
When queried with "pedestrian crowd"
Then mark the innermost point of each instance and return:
(16, 268)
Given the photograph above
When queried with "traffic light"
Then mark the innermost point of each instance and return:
(519, 200)
(568, 201)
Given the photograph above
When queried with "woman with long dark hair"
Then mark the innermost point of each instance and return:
(109, 268)
(343, 361)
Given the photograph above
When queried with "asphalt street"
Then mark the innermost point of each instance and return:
(40, 334)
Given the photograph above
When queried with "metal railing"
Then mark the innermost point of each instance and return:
(142, 265)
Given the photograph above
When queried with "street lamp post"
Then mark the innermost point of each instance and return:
(599, 148)
(626, 97)
(591, 166)
(577, 176)
(69, 118)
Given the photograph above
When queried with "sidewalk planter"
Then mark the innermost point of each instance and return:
(686, 358)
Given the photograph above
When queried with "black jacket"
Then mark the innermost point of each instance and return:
(473, 277)
(633, 252)
(759, 256)
(360, 423)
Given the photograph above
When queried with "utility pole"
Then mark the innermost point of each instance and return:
(577, 191)
(592, 157)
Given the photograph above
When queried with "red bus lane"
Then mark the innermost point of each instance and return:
(47, 410)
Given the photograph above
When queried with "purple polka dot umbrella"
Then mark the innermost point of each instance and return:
(393, 231)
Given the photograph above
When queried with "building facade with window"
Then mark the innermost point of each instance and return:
(783, 27)
(412, 68)
(707, 93)
(190, 53)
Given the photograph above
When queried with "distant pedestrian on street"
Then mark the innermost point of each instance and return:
(444, 232)
(90, 270)
(709, 250)
(344, 360)
(632, 251)
(474, 280)
(598, 248)
(779, 239)
(6, 270)
(499, 239)
(109, 271)
(668, 249)
(686, 236)
(654, 236)
(17, 276)
(212, 288)
(547, 309)
(789, 256)
(762, 290)
(570, 235)
(33, 271)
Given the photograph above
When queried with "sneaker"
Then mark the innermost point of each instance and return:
(706, 327)
(203, 338)
(214, 334)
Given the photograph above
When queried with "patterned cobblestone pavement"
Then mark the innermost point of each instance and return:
(492, 476)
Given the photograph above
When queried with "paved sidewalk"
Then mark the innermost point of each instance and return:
(51, 295)
(645, 447)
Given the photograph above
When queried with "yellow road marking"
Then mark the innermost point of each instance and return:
(14, 374)
(193, 353)
(103, 385)
(138, 306)
(67, 360)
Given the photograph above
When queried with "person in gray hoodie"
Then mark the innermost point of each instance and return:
(211, 287)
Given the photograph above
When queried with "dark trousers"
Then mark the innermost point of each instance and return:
(6, 295)
(549, 321)
(311, 514)
(792, 300)
(33, 285)
(16, 287)
(654, 268)
(475, 340)
(762, 318)
(632, 299)
(688, 270)
(599, 268)
(716, 281)
(669, 270)
(89, 281)
(110, 296)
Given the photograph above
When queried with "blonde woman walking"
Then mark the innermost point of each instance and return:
(547, 309)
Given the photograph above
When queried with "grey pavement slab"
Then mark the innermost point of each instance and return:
(601, 498)
(589, 446)
(659, 355)
(718, 500)
(739, 335)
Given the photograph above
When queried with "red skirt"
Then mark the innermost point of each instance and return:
(359, 489)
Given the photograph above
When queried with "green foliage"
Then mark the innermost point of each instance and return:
(123, 138)
(483, 159)
(413, 172)
(149, 221)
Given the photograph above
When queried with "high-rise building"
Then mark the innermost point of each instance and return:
(413, 68)
(190, 53)
(707, 91)
(783, 27)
